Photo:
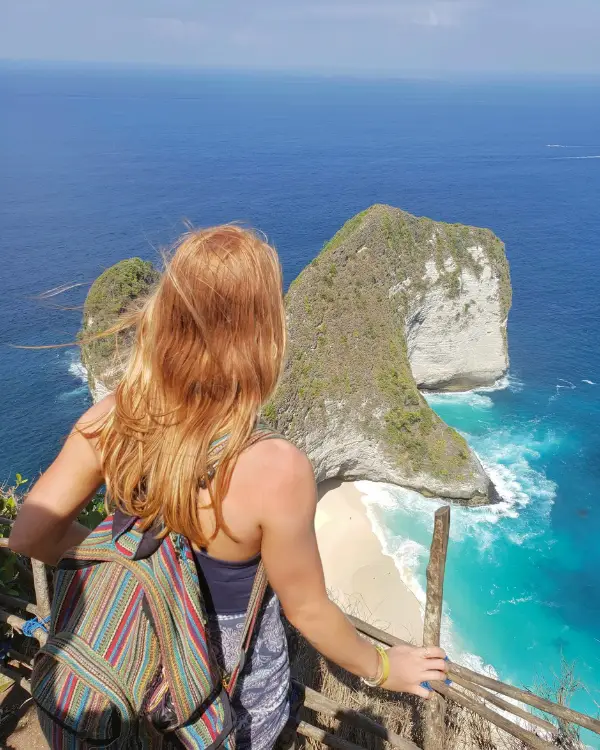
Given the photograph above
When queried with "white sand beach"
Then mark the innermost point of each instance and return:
(359, 576)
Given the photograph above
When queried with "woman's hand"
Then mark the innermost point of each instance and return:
(412, 665)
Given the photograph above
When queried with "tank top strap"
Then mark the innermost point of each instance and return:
(260, 432)
(263, 432)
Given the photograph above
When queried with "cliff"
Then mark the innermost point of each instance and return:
(109, 296)
(393, 302)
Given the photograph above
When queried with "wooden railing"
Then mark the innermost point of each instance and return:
(468, 688)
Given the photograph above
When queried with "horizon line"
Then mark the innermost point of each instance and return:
(418, 74)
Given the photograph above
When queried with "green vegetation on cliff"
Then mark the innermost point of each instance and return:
(110, 295)
(347, 360)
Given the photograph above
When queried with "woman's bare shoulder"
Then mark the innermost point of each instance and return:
(92, 418)
(281, 473)
(280, 459)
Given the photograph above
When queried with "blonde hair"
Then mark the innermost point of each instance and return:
(208, 352)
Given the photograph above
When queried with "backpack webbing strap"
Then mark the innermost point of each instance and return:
(257, 596)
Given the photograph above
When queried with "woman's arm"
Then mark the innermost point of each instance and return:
(46, 524)
(291, 556)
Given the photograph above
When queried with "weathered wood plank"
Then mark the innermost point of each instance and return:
(561, 712)
(506, 706)
(529, 738)
(18, 656)
(320, 735)
(40, 635)
(42, 591)
(16, 677)
(321, 704)
(435, 708)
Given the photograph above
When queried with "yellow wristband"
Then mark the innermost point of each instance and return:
(385, 663)
(384, 669)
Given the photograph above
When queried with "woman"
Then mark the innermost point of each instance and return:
(208, 352)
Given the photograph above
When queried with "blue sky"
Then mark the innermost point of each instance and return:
(368, 36)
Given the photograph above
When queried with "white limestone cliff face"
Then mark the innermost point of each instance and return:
(458, 342)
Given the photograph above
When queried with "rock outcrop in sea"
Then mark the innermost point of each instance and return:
(110, 295)
(392, 304)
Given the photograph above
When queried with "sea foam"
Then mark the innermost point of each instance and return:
(397, 515)
(77, 368)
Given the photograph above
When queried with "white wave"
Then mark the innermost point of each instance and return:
(500, 385)
(555, 145)
(589, 382)
(514, 601)
(514, 384)
(474, 397)
(579, 157)
(77, 370)
(410, 557)
(76, 393)
(406, 553)
(469, 398)
(505, 457)
(510, 382)
(562, 385)
(520, 600)
(568, 384)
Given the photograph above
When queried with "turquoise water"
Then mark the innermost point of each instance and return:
(99, 165)
(507, 608)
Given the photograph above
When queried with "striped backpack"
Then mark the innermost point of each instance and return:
(128, 663)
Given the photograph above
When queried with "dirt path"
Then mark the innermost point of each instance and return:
(19, 728)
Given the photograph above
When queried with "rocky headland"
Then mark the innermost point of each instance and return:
(393, 304)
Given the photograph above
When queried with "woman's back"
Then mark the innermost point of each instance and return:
(207, 353)
(260, 475)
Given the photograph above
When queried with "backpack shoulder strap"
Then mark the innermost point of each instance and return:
(261, 583)
(257, 597)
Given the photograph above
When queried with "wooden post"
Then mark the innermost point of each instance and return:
(40, 583)
(435, 708)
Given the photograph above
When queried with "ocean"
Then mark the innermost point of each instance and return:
(102, 164)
